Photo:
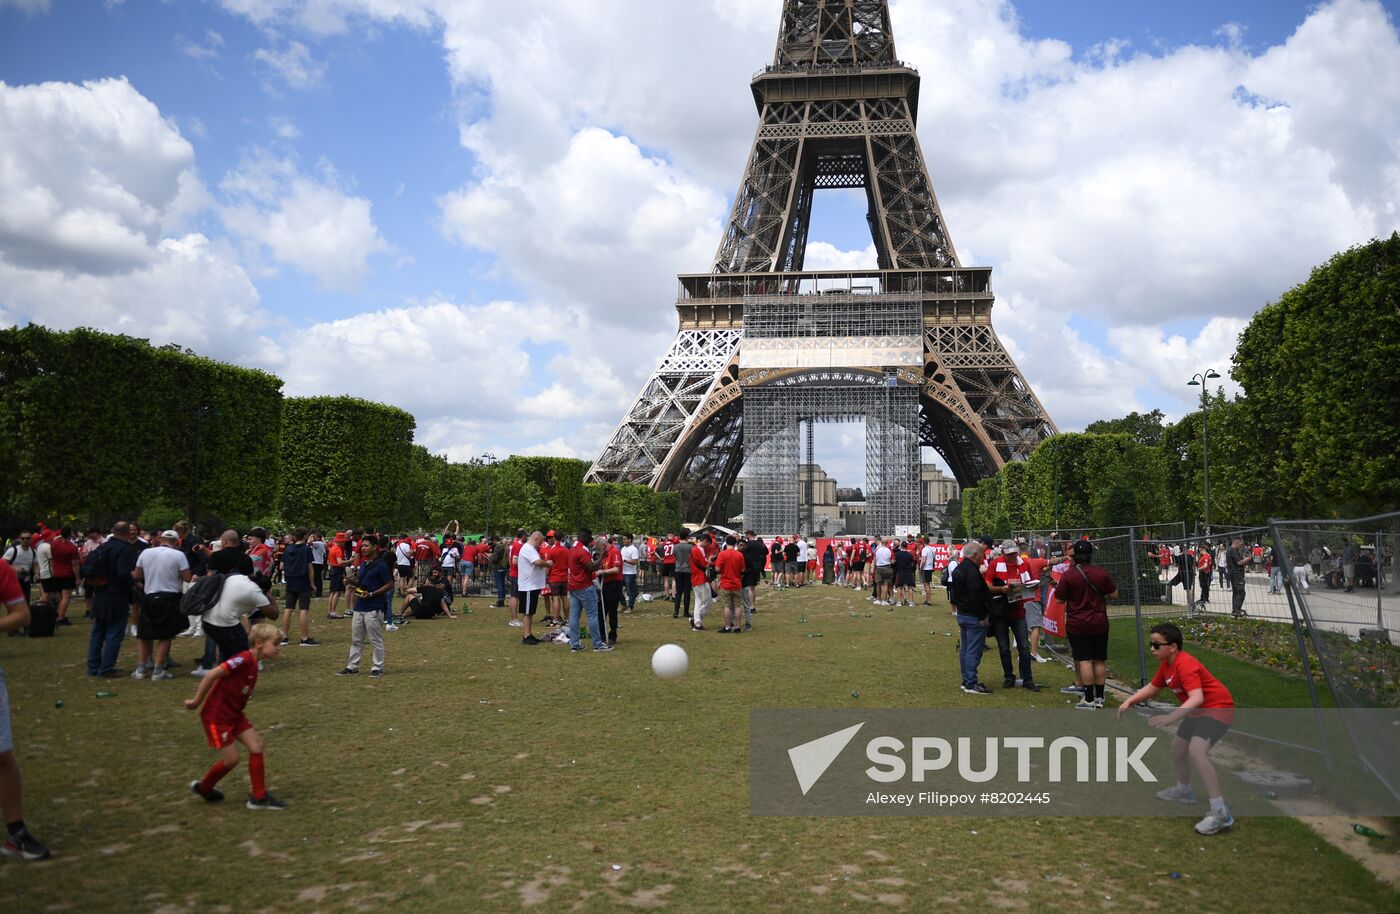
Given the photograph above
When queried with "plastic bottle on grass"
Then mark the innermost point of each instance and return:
(106, 694)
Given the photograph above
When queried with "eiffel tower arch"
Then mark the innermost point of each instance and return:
(763, 343)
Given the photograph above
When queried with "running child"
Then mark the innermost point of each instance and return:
(224, 693)
(1206, 714)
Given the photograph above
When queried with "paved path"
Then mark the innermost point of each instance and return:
(1335, 610)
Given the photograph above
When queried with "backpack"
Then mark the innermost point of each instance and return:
(203, 595)
(100, 566)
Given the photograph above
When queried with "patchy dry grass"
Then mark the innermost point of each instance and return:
(481, 775)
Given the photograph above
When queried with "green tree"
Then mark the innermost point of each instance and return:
(125, 439)
(1320, 370)
(1146, 428)
(345, 462)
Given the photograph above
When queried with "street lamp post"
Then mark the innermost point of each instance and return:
(488, 460)
(1210, 374)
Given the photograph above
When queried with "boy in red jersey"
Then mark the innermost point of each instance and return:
(1206, 713)
(224, 693)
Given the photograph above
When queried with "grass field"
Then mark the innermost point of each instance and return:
(482, 775)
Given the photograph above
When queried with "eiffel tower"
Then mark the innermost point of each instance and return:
(765, 346)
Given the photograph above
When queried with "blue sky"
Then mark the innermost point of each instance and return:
(375, 198)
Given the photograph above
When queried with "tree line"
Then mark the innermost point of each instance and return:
(1314, 434)
(95, 427)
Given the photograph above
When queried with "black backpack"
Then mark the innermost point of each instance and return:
(100, 566)
(203, 595)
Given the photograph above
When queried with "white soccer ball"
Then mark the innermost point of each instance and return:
(669, 661)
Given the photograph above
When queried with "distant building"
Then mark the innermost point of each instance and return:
(823, 486)
(845, 494)
(853, 514)
(939, 488)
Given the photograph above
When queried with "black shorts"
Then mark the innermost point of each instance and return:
(928, 575)
(1206, 727)
(858, 565)
(337, 582)
(58, 585)
(299, 600)
(529, 602)
(512, 586)
(1088, 647)
(405, 571)
(558, 588)
(160, 618)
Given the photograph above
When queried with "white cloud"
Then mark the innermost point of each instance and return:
(292, 65)
(189, 291)
(208, 49)
(604, 225)
(88, 174)
(306, 222)
(466, 372)
(96, 191)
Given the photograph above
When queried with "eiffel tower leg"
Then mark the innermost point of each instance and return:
(674, 419)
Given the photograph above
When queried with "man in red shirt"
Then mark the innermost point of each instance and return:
(700, 587)
(513, 579)
(1085, 590)
(18, 841)
(583, 596)
(731, 566)
(65, 562)
(668, 565)
(224, 693)
(1206, 713)
(1006, 568)
(336, 560)
(556, 595)
(1205, 569)
(612, 587)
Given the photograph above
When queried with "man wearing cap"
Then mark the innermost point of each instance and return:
(1008, 575)
(336, 560)
(161, 573)
(1085, 590)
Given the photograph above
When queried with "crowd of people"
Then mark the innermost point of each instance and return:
(560, 588)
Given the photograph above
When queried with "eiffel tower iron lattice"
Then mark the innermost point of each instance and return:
(837, 109)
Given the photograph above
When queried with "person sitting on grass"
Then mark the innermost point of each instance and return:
(1206, 713)
(224, 693)
(432, 599)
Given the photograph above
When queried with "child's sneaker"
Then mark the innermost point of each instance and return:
(1180, 793)
(1215, 823)
(215, 795)
(139, 673)
(1087, 704)
(24, 845)
(160, 674)
(391, 627)
(267, 802)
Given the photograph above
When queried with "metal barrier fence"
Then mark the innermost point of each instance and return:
(1316, 600)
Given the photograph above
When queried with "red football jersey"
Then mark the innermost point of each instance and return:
(230, 694)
